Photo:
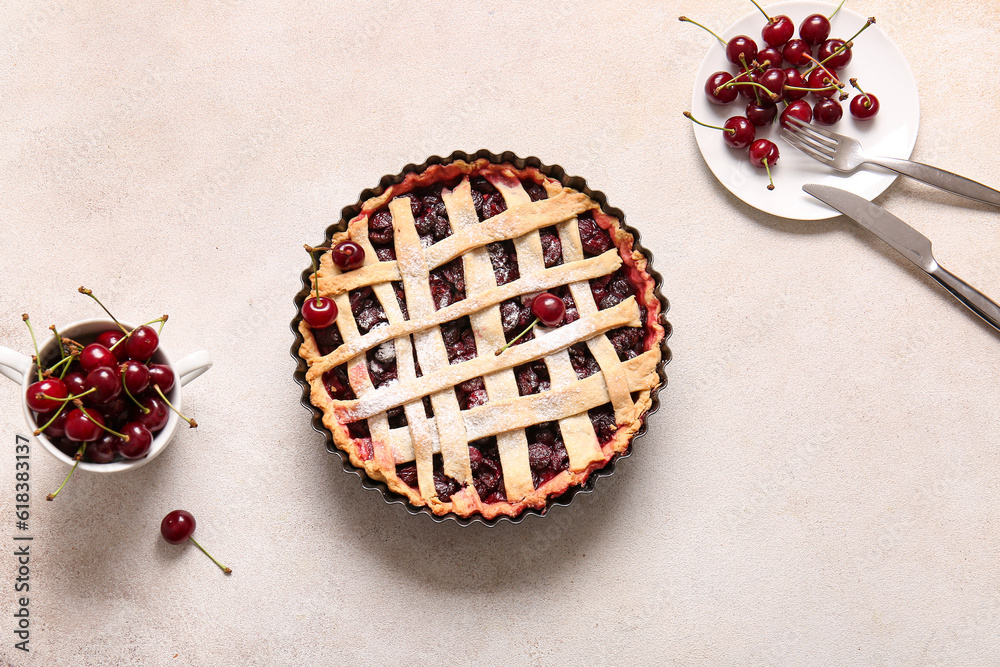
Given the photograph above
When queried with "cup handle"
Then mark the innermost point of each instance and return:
(192, 366)
(14, 364)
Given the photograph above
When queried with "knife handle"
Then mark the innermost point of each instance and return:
(975, 300)
(940, 178)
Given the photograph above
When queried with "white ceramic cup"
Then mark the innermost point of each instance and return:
(20, 369)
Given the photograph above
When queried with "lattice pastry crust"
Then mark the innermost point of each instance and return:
(626, 385)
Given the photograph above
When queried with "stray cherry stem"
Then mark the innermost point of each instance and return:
(221, 566)
(84, 290)
(79, 455)
(689, 116)
(38, 362)
(687, 20)
(519, 336)
(191, 422)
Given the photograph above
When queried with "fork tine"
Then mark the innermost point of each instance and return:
(806, 140)
(805, 148)
(817, 133)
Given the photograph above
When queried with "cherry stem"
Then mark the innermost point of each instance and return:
(128, 334)
(221, 566)
(62, 353)
(869, 22)
(72, 356)
(519, 336)
(687, 20)
(312, 258)
(84, 290)
(79, 455)
(834, 81)
(142, 407)
(191, 422)
(730, 130)
(811, 90)
(770, 185)
(38, 431)
(734, 82)
(61, 363)
(769, 19)
(840, 49)
(163, 320)
(867, 102)
(70, 399)
(837, 9)
(109, 430)
(38, 365)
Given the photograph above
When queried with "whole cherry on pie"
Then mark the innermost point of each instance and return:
(409, 382)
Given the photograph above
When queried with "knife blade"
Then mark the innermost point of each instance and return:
(905, 239)
(909, 243)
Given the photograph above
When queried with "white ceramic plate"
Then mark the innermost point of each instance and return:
(880, 69)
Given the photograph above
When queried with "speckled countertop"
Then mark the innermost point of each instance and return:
(820, 485)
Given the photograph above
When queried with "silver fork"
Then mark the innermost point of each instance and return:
(845, 154)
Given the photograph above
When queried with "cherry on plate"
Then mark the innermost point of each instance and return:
(795, 52)
(827, 111)
(864, 107)
(814, 29)
(720, 96)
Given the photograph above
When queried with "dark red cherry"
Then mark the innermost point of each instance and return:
(349, 255)
(795, 52)
(96, 355)
(81, 429)
(57, 428)
(799, 109)
(820, 81)
(109, 338)
(135, 376)
(140, 440)
(549, 308)
(814, 29)
(773, 79)
(827, 111)
(39, 394)
(761, 150)
(741, 48)
(864, 107)
(771, 55)
(142, 343)
(157, 416)
(177, 526)
(762, 113)
(319, 312)
(724, 96)
(794, 79)
(742, 134)
(114, 411)
(102, 450)
(106, 385)
(76, 383)
(839, 61)
(749, 92)
(162, 376)
(778, 31)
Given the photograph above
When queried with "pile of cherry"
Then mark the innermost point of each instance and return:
(762, 81)
(102, 401)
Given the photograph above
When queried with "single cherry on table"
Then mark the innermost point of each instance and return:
(178, 526)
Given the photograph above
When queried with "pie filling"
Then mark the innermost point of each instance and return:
(548, 420)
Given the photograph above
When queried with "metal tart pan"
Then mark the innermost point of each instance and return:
(348, 213)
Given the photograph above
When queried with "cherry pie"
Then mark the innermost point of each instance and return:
(408, 377)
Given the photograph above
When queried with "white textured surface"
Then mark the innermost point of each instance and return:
(820, 485)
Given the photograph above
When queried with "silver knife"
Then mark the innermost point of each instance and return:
(909, 243)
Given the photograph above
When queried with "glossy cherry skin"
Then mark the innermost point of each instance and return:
(106, 385)
(724, 96)
(549, 308)
(319, 312)
(771, 55)
(799, 109)
(743, 132)
(794, 78)
(762, 113)
(795, 52)
(162, 376)
(773, 79)
(348, 256)
(863, 111)
(157, 416)
(81, 429)
(778, 30)
(76, 383)
(96, 355)
(749, 92)
(140, 440)
(39, 394)
(741, 45)
(814, 29)
(761, 150)
(57, 428)
(839, 61)
(177, 526)
(828, 111)
(109, 338)
(102, 450)
(819, 80)
(134, 375)
(142, 343)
